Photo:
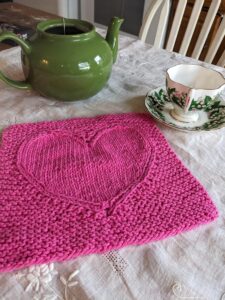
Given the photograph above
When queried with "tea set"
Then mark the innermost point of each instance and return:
(68, 60)
(192, 100)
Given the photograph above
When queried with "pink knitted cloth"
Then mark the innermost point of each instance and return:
(88, 185)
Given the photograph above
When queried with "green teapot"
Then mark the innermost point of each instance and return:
(66, 59)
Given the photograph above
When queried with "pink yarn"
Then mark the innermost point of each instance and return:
(89, 185)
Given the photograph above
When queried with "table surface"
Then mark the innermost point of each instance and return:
(188, 266)
(21, 15)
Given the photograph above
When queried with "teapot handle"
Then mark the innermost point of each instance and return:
(27, 49)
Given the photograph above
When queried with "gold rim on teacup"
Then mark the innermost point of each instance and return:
(188, 85)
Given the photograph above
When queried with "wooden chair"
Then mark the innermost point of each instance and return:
(165, 6)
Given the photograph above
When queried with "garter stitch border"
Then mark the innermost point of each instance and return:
(90, 185)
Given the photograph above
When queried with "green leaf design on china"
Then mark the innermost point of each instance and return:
(214, 108)
(174, 96)
(207, 104)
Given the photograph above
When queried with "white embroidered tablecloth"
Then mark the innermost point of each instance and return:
(188, 266)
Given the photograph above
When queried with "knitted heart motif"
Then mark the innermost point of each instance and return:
(89, 170)
(60, 182)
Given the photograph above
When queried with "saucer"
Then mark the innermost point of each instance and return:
(211, 111)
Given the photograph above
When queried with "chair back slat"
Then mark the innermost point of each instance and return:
(148, 19)
(176, 24)
(165, 6)
(162, 25)
(191, 26)
(221, 61)
(206, 28)
(216, 42)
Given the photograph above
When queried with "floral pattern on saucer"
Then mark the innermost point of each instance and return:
(211, 111)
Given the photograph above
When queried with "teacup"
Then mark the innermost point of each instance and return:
(192, 88)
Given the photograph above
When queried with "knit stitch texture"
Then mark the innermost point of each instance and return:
(89, 185)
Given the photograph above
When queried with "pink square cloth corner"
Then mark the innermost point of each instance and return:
(89, 185)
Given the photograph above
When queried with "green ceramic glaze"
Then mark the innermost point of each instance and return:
(67, 67)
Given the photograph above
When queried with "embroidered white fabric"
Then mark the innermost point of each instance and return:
(188, 266)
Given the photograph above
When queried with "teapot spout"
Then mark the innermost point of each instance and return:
(112, 35)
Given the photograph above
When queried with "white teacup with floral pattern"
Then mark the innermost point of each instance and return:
(190, 88)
